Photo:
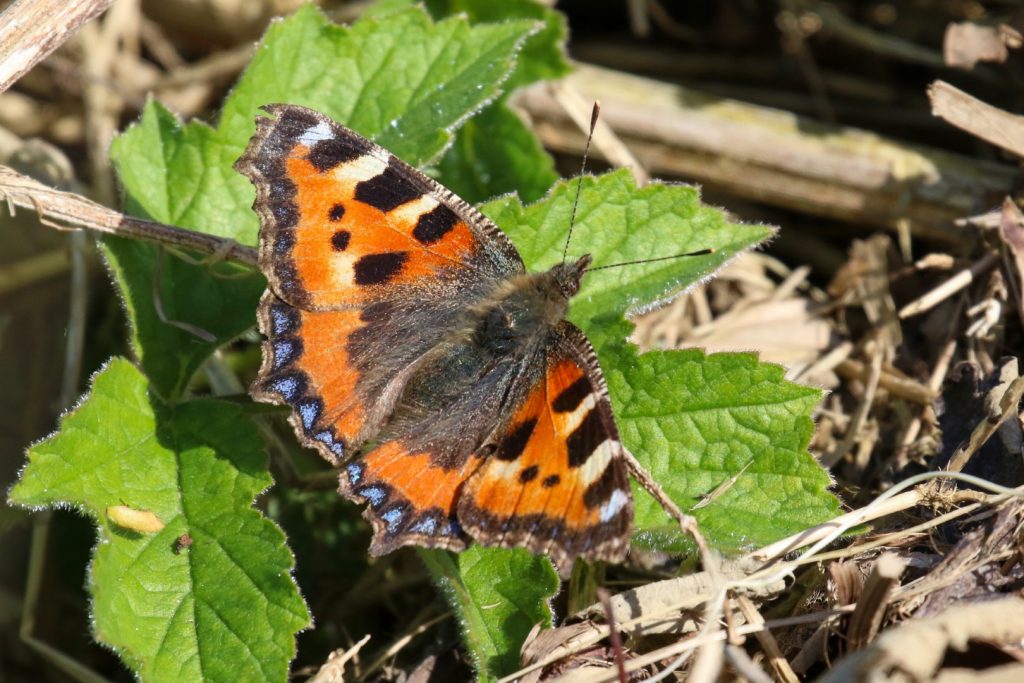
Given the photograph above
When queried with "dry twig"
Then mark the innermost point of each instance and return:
(977, 118)
(66, 210)
(774, 156)
(32, 29)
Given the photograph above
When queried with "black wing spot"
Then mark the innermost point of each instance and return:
(434, 224)
(584, 439)
(514, 443)
(387, 190)
(529, 474)
(551, 481)
(336, 213)
(339, 240)
(572, 396)
(378, 269)
(292, 122)
(327, 154)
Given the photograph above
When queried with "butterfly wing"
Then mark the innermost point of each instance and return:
(369, 264)
(556, 480)
(412, 480)
(343, 222)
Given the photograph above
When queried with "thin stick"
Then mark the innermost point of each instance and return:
(687, 522)
(981, 120)
(1006, 408)
(769, 644)
(595, 112)
(897, 385)
(738, 658)
(394, 648)
(616, 638)
(709, 498)
(860, 415)
(873, 600)
(334, 668)
(949, 287)
(66, 210)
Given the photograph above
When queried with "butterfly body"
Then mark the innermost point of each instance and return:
(419, 355)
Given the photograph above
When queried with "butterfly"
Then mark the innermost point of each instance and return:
(420, 357)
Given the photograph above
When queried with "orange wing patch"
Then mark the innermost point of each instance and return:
(556, 481)
(343, 222)
(411, 500)
(306, 364)
(355, 237)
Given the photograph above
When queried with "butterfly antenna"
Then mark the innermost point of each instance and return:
(701, 252)
(596, 112)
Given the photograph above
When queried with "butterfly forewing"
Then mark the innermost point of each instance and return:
(345, 223)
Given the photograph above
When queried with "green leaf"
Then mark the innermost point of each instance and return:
(498, 595)
(695, 421)
(495, 152)
(615, 222)
(403, 79)
(543, 55)
(692, 421)
(224, 608)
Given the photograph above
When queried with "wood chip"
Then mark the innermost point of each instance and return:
(966, 43)
(977, 118)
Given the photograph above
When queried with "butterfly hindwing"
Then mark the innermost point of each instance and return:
(412, 479)
(556, 481)
(410, 499)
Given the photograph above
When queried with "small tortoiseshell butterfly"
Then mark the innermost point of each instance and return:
(417, 353)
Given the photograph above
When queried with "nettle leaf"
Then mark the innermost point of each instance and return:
(403, 80)
(223, 608)
(498, 594)
(542, 56)
(496, 153)
(692, 420)
(615, 222)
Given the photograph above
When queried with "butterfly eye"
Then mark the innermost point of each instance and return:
(568, 275)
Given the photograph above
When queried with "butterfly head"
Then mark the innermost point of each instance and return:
(567, 275)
